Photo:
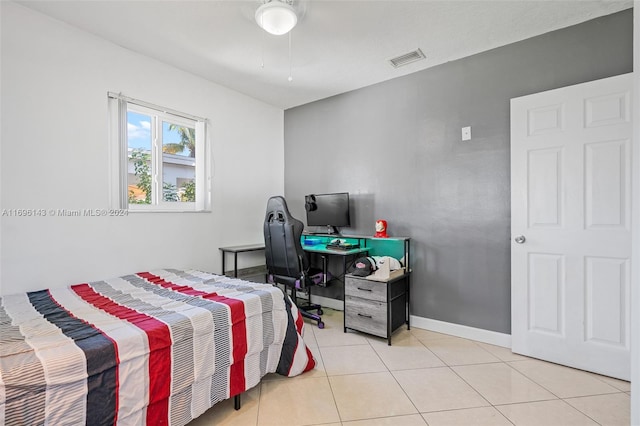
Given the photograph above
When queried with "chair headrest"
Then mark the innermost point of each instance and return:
(277, 210)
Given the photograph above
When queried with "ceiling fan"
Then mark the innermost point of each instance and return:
(279, 17)
(276, 17)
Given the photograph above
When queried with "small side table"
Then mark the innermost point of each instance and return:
(376, 307)
(235, 250)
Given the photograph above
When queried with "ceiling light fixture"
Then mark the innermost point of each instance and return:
(276, 17)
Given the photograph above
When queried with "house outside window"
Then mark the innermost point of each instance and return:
(160, 158)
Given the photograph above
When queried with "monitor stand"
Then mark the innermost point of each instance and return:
(332, 230)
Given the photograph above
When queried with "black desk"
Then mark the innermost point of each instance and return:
(374, 307)
(235, 250)
(325, 252)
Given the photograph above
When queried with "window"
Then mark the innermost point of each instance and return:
(160, 158)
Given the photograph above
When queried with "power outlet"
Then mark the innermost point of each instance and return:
(466, 133)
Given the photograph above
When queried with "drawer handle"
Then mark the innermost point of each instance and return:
(363, 315)
(364, 289)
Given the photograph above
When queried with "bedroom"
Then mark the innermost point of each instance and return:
(55, 78)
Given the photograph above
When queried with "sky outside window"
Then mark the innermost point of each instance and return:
(139, 132)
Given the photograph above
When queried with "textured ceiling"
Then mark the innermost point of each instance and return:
(337, 46)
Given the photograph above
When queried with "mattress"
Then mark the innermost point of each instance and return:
(158, 347)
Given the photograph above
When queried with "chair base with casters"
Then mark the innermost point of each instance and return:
(305, 309)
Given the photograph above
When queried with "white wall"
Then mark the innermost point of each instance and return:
(54, 155)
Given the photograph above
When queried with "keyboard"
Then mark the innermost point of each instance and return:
(343, 247)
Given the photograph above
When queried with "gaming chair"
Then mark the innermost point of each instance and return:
(287, 262)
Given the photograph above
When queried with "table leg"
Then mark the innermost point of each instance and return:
(235, 264)
(389, 314)
(223, 256)
(408, 281)
(325, 271)
(344, 296)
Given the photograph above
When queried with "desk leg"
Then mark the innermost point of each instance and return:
(408, 283)
(235, 264)
(344, 266)
(224, 254)
(344, 295)
(389, 314)
(325, 271)
(407, 262)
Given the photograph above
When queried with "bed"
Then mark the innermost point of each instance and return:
(156, 348)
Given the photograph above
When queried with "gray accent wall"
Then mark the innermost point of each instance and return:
(396, 148)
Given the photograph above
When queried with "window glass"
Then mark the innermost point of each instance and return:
(139, 158)
(178, 162)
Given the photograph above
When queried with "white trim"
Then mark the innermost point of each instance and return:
(117, 139)
(327, 302)
(166, 207)
(158, 116)
(153, 107)
(466, 332)
(635, 229)
(202, 186)
(478, 334)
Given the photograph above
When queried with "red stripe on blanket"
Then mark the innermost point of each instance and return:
(237, 382)
(299, 322)
(185, 289)
(159, 338)
(311, 363)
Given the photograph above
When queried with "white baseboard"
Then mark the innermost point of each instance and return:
(478, 334)
(327, 302)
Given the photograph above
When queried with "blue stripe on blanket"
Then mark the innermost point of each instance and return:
(99, 351)
(290, 343)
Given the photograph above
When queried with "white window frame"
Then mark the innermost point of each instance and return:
(118, 107)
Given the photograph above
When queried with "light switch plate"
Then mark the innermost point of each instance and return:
(466, 133)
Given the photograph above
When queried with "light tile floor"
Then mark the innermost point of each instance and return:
(424, 378)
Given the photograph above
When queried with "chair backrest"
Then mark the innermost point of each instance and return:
(286, 261)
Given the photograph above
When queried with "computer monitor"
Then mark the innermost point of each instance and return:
(330, 210)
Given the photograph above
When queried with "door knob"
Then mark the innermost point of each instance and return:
(520, 239)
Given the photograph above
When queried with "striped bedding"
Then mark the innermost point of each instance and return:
(152, 348)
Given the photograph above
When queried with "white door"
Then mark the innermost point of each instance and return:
(571, 225)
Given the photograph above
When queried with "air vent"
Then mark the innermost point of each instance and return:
(407, 58)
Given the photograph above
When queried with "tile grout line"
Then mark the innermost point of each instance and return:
(258, 409)
(476, 390)
(587, 396)
(446, 365)
(450, 367)
(333, 395)
(552, 393)
(396, 380)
